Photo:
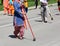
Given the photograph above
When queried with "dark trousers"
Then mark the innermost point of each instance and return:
(26, 9)
(36, 3)
(43, 11)
(19, 30)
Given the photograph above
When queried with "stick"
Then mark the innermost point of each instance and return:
(49, 12)
(25, 16)
(51, 16)
(30, 29)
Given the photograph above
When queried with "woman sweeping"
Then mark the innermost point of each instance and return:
(18, 19)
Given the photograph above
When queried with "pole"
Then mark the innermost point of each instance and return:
(25, 16)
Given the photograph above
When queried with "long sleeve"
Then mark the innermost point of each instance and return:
(17, 7)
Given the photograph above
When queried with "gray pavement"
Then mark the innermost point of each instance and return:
(47, 34)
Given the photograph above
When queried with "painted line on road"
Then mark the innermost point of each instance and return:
(6, 25)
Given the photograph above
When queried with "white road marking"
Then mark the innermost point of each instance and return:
(12, 23)
(6, 25)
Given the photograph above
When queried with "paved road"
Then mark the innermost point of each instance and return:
(47, 34)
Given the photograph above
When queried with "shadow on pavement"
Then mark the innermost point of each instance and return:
(39, 14)
(57, 14)
(38, 20)
(13, 36)
(42, 21)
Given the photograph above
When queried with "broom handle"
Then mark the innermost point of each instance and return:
(25, 16)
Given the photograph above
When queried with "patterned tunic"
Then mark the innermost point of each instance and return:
(18, 19)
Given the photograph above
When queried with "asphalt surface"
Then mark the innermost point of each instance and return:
(47, 34)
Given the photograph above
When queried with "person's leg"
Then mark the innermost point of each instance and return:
(26, 9)
(9, 10)
(36, 3)
(58, 5)
(5, 10)
(12, 10)
(21, 34)
(44, 14)
(41, 10)
(59, 8)
(16, 31)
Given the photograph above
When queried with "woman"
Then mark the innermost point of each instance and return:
(18, 19)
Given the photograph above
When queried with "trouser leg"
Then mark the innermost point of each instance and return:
(36, 3)
(16, 31)
(5, 10)
(43, 12)
(21, 33)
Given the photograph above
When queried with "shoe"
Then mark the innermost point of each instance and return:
(11, 15)
(45, 21)
(20, 37)
(4, 14)
(15, 36)
(51, 18)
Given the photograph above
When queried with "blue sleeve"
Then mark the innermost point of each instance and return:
(17, 7)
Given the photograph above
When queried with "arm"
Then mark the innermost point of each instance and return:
(17, 7)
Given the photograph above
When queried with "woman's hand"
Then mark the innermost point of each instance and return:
(24, 13)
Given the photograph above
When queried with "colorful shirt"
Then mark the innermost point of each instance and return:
(25, 3)
(5, 3)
